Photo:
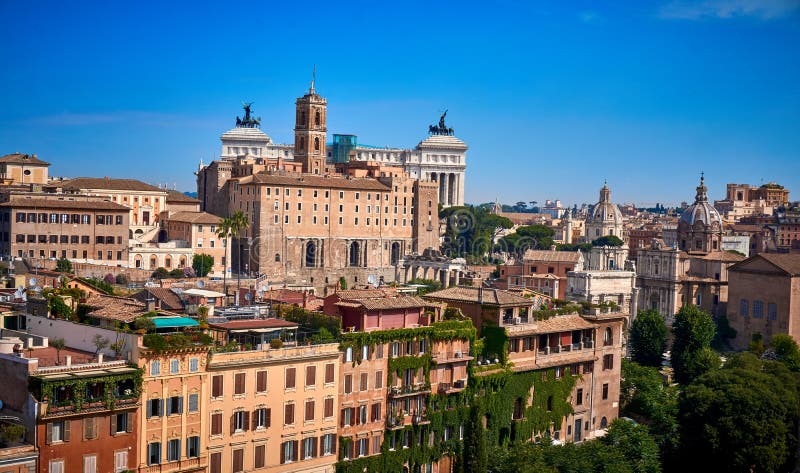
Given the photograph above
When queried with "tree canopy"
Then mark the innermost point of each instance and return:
(202, 264)
(648, 338)
(527, 238)
(693, 330)
(742, 417)
(470, 231)
(63, 265)
(608, 240)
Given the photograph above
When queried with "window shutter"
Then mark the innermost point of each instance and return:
(255, 420)
(283, 453)
(329, 373)
(113, 419)
(233, 423)
(311, 375)
(149, 409)
(261, 381)
(294, 450)
(129, 423)
(216, 463)
(321, 443)
(161, 407)
(246, 423)
(180, 405)
(66, 430)
(49, 435)
(303, 449)
(314, 448)
(269, 417)
(216, 424)
(341, 419)
(333, 436)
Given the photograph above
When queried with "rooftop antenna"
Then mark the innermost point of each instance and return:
(313, 78)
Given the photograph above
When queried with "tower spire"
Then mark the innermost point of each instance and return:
(313, 79)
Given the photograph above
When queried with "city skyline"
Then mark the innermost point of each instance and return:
(708, 86)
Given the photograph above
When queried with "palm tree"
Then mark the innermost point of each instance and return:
(224, 231)
(239, 223)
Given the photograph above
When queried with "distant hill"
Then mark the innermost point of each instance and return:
(191, 194)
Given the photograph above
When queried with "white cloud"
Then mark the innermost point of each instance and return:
(724, 9)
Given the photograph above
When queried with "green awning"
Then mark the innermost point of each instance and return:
(172, 322)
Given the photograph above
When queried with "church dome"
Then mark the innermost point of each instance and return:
(701, 210)
(604, 210)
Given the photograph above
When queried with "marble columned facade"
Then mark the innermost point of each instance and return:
(451, 187)
(432, 265)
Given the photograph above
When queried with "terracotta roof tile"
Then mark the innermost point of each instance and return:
(308, 180)
(82, 183)
(471, 294)
(123, 309)
(64, 204)
(180, 197)
(788, 262)
(169, 300)
(365, 293)
(385, 303)
(195, 217)
(20, 158)
(549, 255)
(254, 324)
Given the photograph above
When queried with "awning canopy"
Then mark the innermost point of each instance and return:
(173, 322)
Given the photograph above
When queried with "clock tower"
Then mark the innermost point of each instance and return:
(310, 131)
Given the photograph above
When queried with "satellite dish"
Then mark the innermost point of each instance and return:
(32, 281)
(201, 284)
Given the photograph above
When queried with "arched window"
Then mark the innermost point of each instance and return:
(608, 338)
(277, 257)
(317, 119)
(395, 253)
(167, 262)
(311, 254)
(603, 423)
(153, 262)
(316, 144)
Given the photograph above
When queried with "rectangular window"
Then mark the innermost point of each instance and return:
(289, 452)
(155, 368)
(772, 311)
(175, 405)
(309, 411)
(155, 408)
(194, 365)
(605, 391)
(328, 444)
(579, 397)
(363, 447)
(194, 402)
(238, 383)
(239, 421)
(89, 428)
(56, 466)
(328, 407)
(260, 456)
(193, 447)
(174, 366)
(311, 375)
(378, 379)
(238, 460)
(290, 378)
(348, 383)
(216, 423)
(263, 416)
(363, 385)
(309, 447)
(288, 414)
(215, 462)
(376, 412)
(90, 464)
(174, 450)
(608, 362)
(758, 309)
(217, 386)
(261, 381)
(121, 423)
(154, 453)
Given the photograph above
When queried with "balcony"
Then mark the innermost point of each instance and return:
(404, 419)
(187, 464)
(452, 388)
(409, 390)
(451, 357)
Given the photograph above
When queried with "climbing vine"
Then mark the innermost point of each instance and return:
(46, 389)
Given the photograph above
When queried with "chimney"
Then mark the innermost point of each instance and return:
(99, 357)
(150, 303)
(480, 294)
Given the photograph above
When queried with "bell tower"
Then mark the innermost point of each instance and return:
(310, 130)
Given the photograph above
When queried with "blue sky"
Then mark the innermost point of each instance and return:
(552, 99)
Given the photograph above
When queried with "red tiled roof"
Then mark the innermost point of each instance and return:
(788, 262)
(180, 198)
(471, 294)
(26, 159)
(106, 183)
(195, 217)
(64, 204)
(554, 256)
(386, 303)
(169, 300)
(123, 309)
(365, 293)
(310, 180)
